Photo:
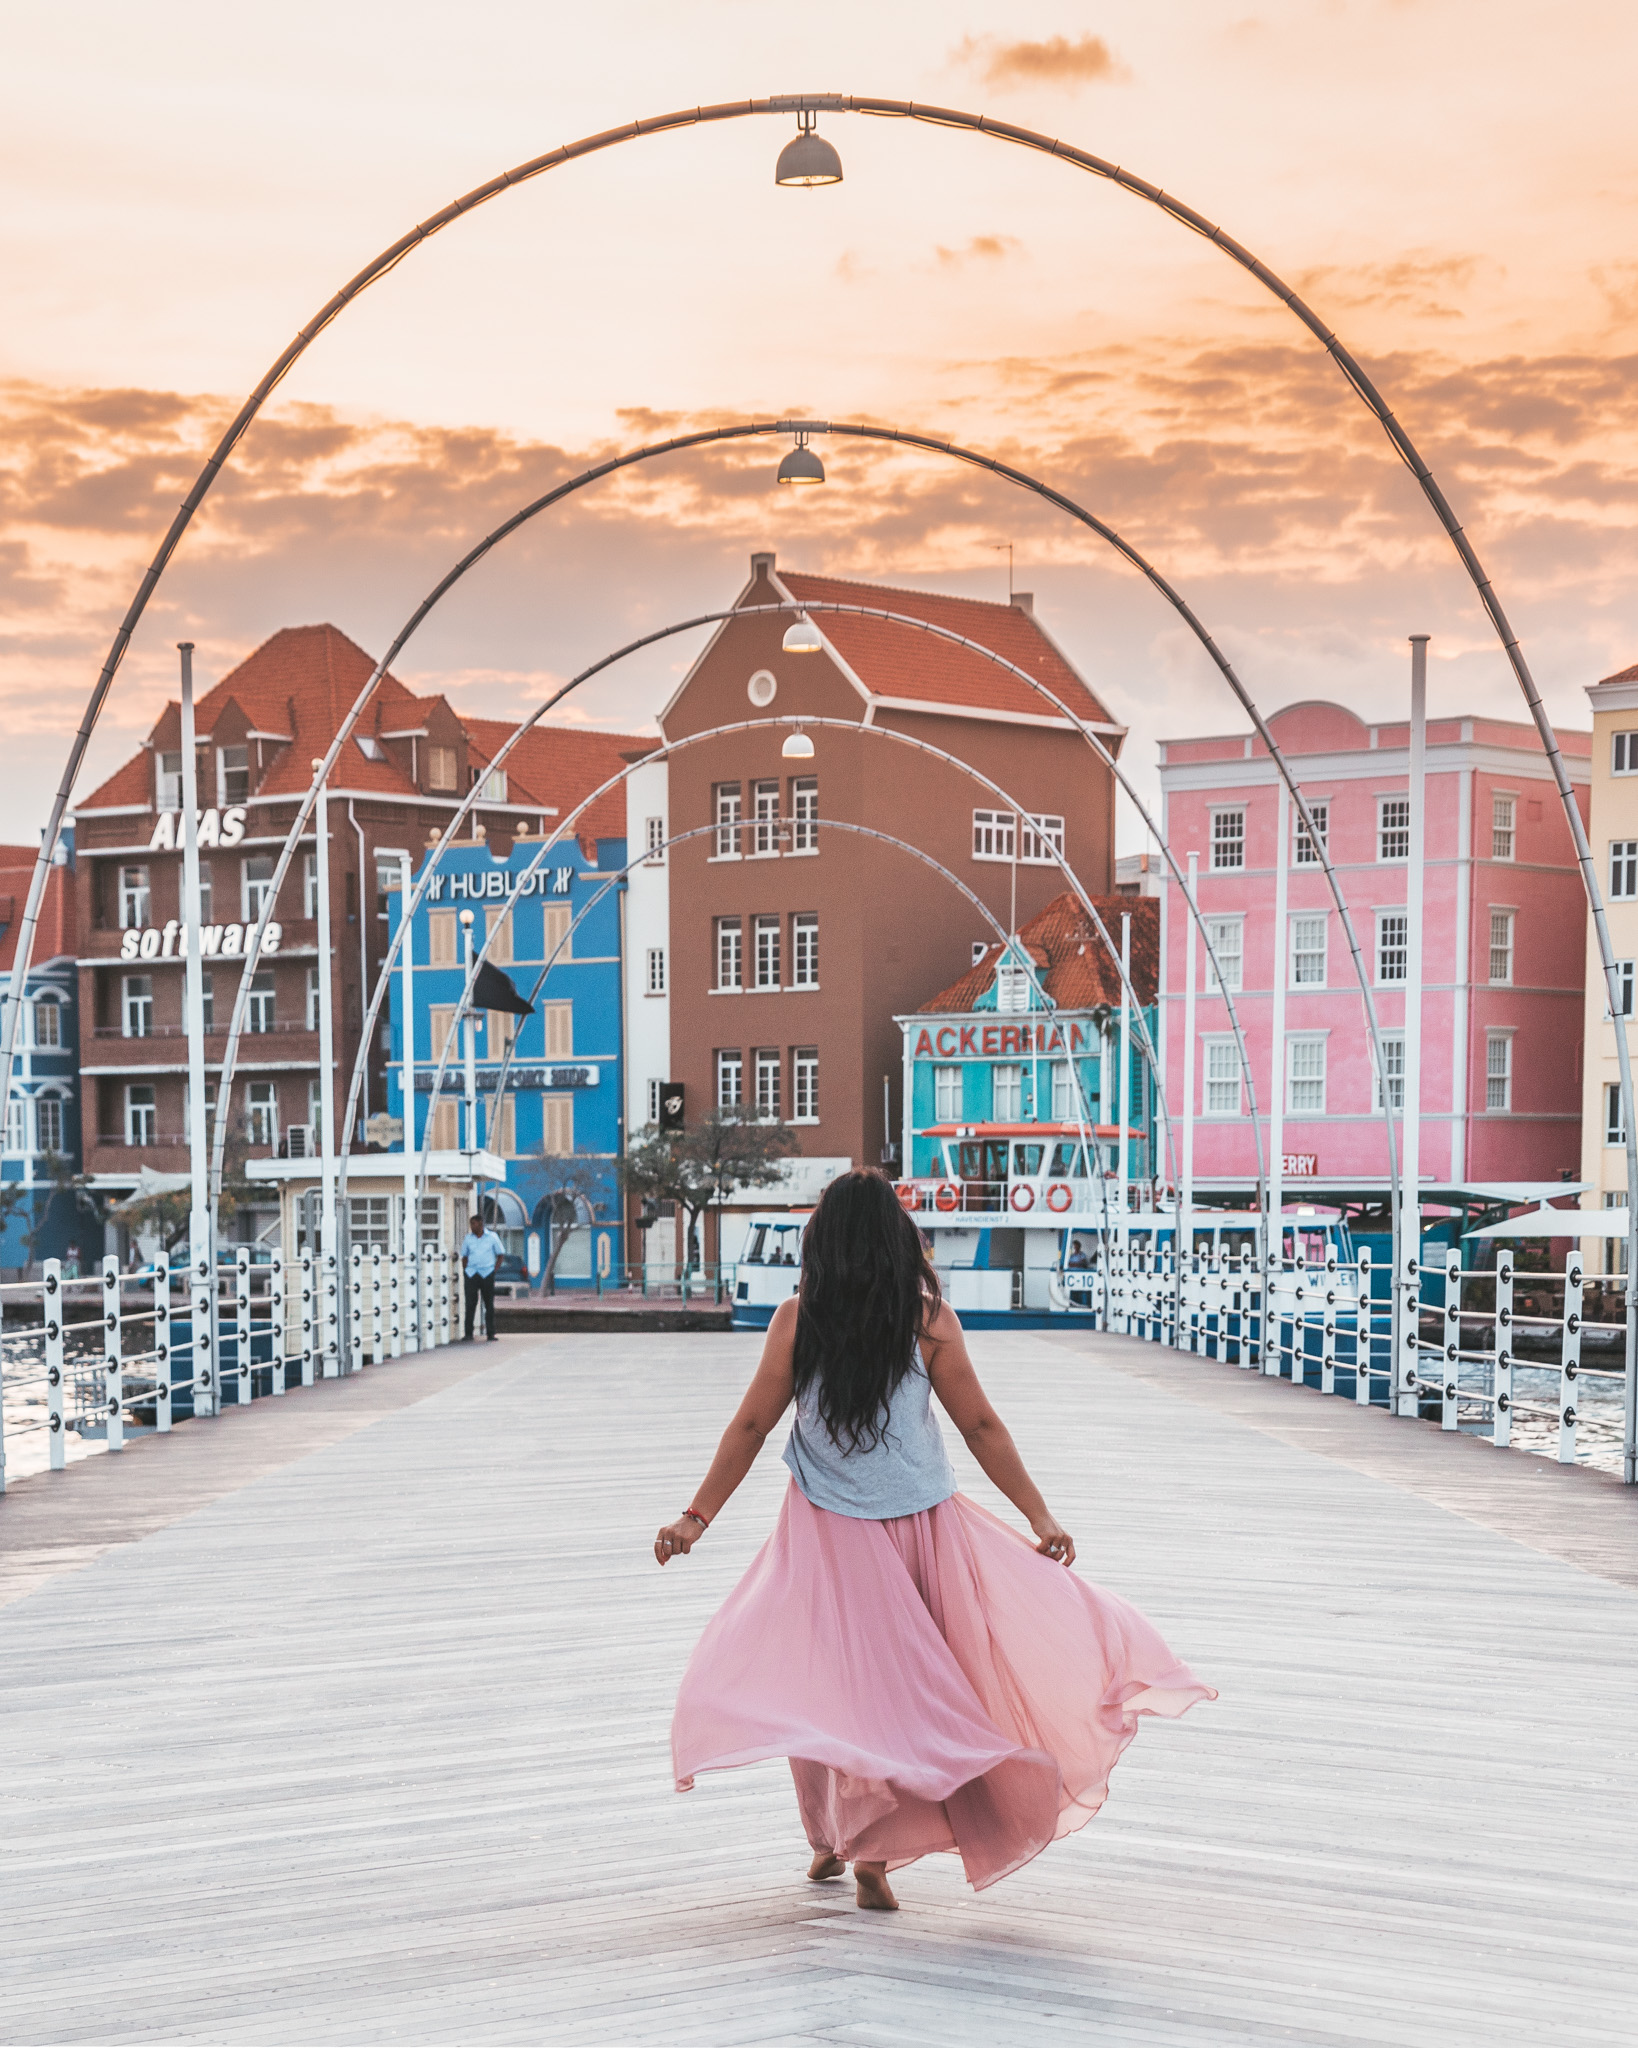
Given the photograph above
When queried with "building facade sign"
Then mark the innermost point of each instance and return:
(499, 883)
(521, 1078)
(169, 941)
(999, 1041)
(216, 828)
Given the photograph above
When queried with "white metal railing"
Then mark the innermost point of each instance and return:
(91, 1360)
(1500, 1355)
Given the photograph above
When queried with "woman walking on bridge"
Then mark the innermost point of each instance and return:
(935, 1680)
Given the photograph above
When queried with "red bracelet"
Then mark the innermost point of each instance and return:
(694, 1515)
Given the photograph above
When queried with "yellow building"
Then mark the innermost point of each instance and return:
(1614, 833)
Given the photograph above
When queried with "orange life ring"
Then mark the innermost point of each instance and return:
(948, 1197)
(909, 1194)
(1022, 1188)
(1060, 1187)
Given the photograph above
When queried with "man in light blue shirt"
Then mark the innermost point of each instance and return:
(480, 1249)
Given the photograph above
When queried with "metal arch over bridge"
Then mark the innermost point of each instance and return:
(806, 106)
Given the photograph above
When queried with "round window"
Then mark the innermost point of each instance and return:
(760, 689)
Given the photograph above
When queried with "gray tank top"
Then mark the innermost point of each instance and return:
(906, 1471)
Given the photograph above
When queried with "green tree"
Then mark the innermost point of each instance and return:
(577, 1187)
(166, 1215)
(700, 1167)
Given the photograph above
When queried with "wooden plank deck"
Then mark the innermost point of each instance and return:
(366, 1741)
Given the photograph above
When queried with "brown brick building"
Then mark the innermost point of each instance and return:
(792, 947)
(259, 730)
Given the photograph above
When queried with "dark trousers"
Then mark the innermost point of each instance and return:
(480, 1284)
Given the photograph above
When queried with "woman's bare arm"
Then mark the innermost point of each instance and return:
(944, 1347)
(766, 1399)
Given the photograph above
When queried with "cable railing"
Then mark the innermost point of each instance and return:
(90, 1361)
(1512, 1355)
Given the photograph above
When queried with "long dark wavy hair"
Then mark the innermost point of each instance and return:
(867, 1293)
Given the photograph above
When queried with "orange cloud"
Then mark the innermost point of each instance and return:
(1056, 61)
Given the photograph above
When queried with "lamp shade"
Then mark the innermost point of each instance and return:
(808, 159)
(797, 747)
(801, 466)
(802, 636)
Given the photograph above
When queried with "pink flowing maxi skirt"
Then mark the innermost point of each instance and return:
(934, 1681)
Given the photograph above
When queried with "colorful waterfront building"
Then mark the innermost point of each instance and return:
(42, 1127)
(1613, 830)
(1001, 1069)
(1503, 932)
(558, 1121)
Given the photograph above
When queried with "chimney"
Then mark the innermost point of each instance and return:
(762, 565)
(1024, 601)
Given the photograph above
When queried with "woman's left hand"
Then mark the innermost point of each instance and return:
(677, 1538)
(1054, 1540)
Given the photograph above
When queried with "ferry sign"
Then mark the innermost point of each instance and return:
(1299, 1165)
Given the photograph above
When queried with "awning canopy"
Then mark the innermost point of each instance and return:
(1559, 1223)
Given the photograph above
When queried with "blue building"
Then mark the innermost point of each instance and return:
(558, 1123)
(43, 1149)
(990, 1070)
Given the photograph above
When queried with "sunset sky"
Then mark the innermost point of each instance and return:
(1452, 186)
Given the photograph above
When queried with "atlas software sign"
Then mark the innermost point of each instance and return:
(169, 941)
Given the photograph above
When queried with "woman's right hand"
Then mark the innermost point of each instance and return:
(1053, 1539)
(677, 1538)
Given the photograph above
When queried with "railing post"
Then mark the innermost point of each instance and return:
(355, 1322)
(275, 1311)
(1450, 1395)
(1254, 1318)
(395, 1305)
(51, 1314)
(202, 1319)
(113, 1391)
(376, 1308)
(1407, 1377)
(1299, 1319)
(162, 1341)
(330, 1311)
(1569, 1371)
(1364, 1330)
(1501, 1383)
(1328, 1322)
(447, 1294)
(410, 1320)
(309, 1315)
(241, 1320)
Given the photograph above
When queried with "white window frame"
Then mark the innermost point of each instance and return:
(1301, 922)
(804, 814)
(261, 1005)
(309, 886)
(1012, 986)
(654, 971)
(1064, 1107)
(492, 790)
(1624, 975)
(767, 1069)
(1502, 921)
(765, 820)
(1504, 817)
(135, 897)
(16, 1127)
(1041, 841)
(728, 939)
(262, 1113)
(767, 951)
(1304, 853)
(1623, 870)
(805, 1085)
(1624, 753)
(168, 781)
(136, 999)
(310, 1010)
(1393, 830)
(730, 1077)
(1220, 1072)
(1615, 1125)
(654, 1088)
(947, 1094)
(728, 814)
(50, 1108)
(1232, 956)
(1498, 1072)
(224, 769)
(1007, 1076)
(254, 891)
(1393, 1052)
(44, 1037)
(995, 835)
(1228, 839)
(1298, 1043)
(141, 1113)
(805, 949)
(654, 842)
(1384, 919)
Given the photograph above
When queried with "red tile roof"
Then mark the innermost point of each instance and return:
(304, 680)
(1070, 959)
(54, 936)
(894, 661)
(1626, 675)
(556, 766)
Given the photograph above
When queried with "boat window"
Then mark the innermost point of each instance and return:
(783, 1252)
(1068, 1161)
(759, 1237)
(983, 1159)
(1026, 1159)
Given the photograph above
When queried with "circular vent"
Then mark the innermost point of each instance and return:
(761, 688)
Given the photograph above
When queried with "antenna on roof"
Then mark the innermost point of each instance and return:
(996, 547)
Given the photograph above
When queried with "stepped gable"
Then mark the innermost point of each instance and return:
(1071, 960)
(557, 766)
(895, 661)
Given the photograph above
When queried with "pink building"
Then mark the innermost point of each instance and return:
(1504, 948)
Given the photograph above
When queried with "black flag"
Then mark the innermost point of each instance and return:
(493, 991)
(671, 1106)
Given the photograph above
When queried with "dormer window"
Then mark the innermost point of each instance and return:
(371, 749)
(168, 782)
(232, 775)
(440, 767)
(1011, 986)
(494, 787)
